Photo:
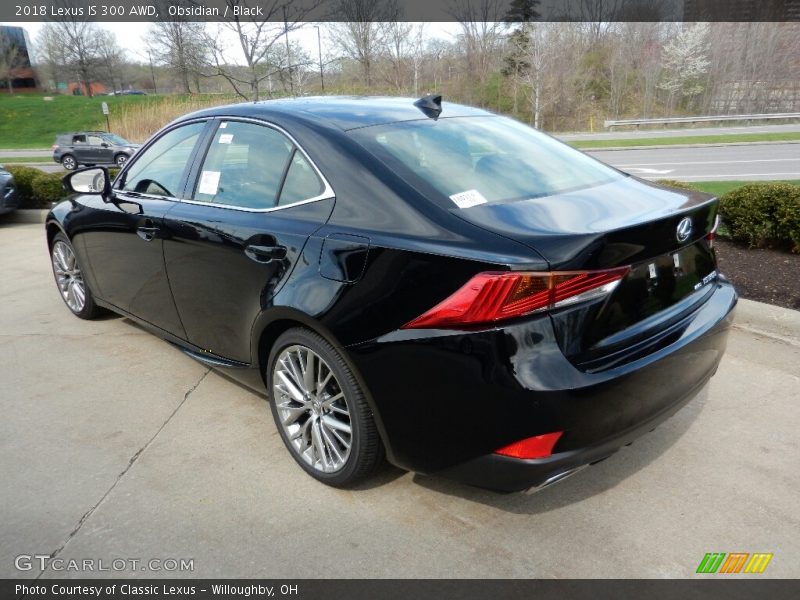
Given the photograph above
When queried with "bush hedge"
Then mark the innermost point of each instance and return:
(763, 214)
(36, 188)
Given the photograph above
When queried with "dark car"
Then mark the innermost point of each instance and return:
(9, 199)
(434, 282)
(91, 148)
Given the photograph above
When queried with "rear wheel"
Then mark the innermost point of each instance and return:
(320, 409)
(69, 279)
(120, 160)
(68, 162)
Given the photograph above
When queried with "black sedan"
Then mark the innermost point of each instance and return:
(428, 282)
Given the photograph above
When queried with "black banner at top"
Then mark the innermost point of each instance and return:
(401, 10)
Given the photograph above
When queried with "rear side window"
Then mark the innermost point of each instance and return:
(474, 160)
(159, 169)
(301, 181)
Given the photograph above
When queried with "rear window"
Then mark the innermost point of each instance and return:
(473, 160)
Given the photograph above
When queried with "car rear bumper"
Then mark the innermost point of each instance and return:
(445, 401)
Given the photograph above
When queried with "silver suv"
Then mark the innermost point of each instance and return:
(91, 148)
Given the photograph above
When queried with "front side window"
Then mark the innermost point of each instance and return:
(483, 159)
(95, 140)
(159, 169)
(244, 166)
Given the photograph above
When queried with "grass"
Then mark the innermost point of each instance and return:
(25, 159)
(787, 136)
(723, 187)
(30, 121)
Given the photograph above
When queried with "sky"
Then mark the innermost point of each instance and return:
(131, 36)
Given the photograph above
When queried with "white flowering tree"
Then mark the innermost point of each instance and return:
(685, 60)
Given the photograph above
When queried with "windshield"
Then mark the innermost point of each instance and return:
(111, 137)
(473, 160)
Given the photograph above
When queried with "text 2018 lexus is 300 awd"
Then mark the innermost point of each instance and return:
(423, 281)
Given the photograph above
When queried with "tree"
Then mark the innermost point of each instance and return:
(76, 43)
(686, 60)
(481, 32)
(362, 31)
(109, 57)
(258, 38)
(179, 45)
(10, 59)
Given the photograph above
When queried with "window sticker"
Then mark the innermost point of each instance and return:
(223, 125)
(468, 198)
(209, 182)
(226, 138)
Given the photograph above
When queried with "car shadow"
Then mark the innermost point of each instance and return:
(601, 477)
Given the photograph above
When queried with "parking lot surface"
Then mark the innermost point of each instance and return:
(117, 445)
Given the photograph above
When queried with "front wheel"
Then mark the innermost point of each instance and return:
(320, 410)
(69, 279)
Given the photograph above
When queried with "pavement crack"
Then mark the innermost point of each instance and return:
(54, 554)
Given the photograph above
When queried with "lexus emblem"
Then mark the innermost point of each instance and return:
(684, 229)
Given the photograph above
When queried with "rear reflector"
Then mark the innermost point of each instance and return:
(496, 296)
(540, 446)
(712, 235)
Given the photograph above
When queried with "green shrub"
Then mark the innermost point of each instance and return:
(674, 183)
(47, 188)
(23, 177)
(763, 214)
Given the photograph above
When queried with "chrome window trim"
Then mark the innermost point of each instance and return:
(327, 192)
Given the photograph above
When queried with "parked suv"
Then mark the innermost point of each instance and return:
(9, 200)
(91, 148)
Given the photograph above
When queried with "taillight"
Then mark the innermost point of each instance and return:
(54, 147)
(540, 446)
(712, 235)
(496, 296)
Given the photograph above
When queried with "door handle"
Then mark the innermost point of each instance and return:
(265, 254)
(147, 233)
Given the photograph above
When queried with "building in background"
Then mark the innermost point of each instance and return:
(15, 61)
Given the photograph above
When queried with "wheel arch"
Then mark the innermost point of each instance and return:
(270, 326)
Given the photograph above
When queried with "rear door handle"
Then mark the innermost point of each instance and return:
(265, 254)
(148, 232)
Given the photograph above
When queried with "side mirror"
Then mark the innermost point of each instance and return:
(92, 180)
(104, 145)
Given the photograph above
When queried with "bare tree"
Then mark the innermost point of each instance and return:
(362, 31)
(258, 38)
(180, 46)
(481, 32)
(109, 57)
(78, 42)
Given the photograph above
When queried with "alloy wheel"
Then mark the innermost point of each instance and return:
(68, 276)
(312, 409)
(69, 163)
(121, 159)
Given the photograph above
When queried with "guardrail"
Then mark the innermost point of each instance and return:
(705, 119)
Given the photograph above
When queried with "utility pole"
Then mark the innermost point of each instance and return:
(288, 51)
(319, 49)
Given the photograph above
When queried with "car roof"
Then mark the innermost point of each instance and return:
(344, 112)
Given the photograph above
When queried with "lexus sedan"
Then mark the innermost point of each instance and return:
(415, 280)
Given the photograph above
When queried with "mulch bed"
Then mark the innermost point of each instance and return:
(760, 274)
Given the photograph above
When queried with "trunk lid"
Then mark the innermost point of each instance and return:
(627, 222)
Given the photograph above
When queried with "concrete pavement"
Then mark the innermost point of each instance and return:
(116, 445)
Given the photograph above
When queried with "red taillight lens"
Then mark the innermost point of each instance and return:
(491, 297)
(712, 235)
(540, 446)
(54, 147)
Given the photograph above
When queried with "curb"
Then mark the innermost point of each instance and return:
(667, 146)
(26, 215)
(771, 321)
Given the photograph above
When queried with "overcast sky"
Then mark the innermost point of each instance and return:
(131, 36)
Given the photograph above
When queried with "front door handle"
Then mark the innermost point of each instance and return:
(265, 254)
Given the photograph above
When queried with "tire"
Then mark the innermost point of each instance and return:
(68, 274)
(68, 162)
(120, 160)
(318, 424)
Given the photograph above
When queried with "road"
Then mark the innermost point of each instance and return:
(666, 133)
(117, 445)
(740, 162)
